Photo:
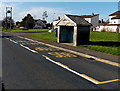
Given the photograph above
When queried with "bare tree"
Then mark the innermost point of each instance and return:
(44, 16)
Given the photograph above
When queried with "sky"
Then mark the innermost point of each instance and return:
(55, 9)
(60, 0)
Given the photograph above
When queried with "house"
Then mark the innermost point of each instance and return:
(39, 24)
(93, 19)
(73, 29)
(55, 22)
(114, 18)
(113, 24)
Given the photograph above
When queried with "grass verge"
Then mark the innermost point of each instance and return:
(94, 37)
(110, 50)
(104, 36)
(30, 30)
(109, 40)
(50, 36)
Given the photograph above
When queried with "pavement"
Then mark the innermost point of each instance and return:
(38, 64)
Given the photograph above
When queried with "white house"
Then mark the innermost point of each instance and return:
(114, 23)
(114, 18)
(55, 22)
(93, 19)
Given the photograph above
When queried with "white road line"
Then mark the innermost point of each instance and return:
(23, 46)
(7, 38)
(61, 65)
(78, 53)
(28, 48)
(13, 41)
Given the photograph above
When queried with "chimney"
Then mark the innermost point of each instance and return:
(102, 21)
(59, 18)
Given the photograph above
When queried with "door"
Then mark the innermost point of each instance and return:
(66, 34)
(63, 34)
(70, 34)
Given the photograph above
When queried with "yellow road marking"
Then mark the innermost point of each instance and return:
(114, 80)
(28, 42)
(45, 49)
(105, 61)
(77, 53)
(109, 81)
(61, 54)
(81, 75)
(22, 41)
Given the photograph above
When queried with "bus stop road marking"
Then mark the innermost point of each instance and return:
(61, 54)
(27, 42)
(77, 53)
(45, 49)
(81, 75)
(66, 67)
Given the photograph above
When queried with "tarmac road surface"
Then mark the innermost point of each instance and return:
(31, 65)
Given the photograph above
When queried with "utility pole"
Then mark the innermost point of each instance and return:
(8, 17)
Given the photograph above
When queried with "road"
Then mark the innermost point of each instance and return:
(28, 64)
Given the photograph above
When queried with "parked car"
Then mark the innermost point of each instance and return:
(53, 30)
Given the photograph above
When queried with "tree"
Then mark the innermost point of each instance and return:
(28, 22)
(44, 16)
(8, 23)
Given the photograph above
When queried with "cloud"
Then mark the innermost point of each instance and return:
(19, 13)
(37, 12)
